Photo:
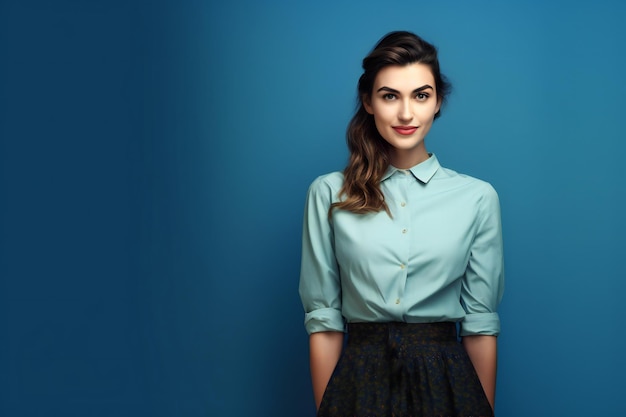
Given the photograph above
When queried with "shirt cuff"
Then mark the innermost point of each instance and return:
(324, 320)
(480, 324)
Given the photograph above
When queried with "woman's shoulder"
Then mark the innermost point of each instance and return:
(324, 189)
(476, 186)
(468, 180)
(331, 181)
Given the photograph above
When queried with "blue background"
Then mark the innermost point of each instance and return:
(154, 160)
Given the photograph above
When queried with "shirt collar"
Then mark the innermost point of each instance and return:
(423, 171)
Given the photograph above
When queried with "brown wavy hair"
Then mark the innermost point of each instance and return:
(369, 152)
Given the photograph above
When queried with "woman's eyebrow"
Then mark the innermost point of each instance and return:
(417, 90)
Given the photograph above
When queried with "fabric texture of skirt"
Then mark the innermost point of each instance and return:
(404, 370)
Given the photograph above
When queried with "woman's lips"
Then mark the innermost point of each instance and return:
(405, 130)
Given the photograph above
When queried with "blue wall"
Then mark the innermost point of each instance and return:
(154, 159)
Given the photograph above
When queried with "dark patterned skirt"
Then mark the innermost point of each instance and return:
(404, 370)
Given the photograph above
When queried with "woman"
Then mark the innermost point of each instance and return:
(400, 250)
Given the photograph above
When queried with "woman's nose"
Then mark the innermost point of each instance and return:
(405, 112)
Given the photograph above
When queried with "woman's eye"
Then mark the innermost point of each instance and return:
(389, 96)
(421, 96)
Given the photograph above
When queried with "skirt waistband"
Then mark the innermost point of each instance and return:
(413, 333)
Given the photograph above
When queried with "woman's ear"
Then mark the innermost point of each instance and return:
(367, 103)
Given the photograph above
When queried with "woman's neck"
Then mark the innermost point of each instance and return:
(405, 158)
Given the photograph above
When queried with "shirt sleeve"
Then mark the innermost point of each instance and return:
(483, 283)
(320, 288)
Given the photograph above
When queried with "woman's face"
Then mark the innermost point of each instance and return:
(404, 103)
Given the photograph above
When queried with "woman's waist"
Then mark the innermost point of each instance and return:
(383, 332)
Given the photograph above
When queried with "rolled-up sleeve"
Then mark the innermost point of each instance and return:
(320, 288)
(483, 283)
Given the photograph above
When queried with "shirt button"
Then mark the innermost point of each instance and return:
(403, 231)
(397, 301)
(402, 266)
(403, 204)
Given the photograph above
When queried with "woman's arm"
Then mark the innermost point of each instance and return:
(482, 351)
(325, 349)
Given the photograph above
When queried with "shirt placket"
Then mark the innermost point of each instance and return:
(403, 229)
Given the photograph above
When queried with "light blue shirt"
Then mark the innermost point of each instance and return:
(438, 258)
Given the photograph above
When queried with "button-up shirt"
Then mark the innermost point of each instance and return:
(438, 257)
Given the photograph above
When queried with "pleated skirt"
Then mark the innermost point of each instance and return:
(404, 370)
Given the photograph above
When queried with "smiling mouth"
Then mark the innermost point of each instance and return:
(405, 130)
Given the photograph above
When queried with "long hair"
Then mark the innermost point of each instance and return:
(369, 152)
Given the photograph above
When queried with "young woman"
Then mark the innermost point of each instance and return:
(397, 251)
